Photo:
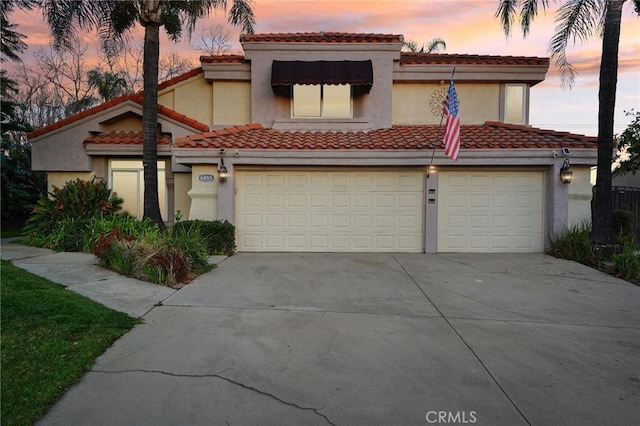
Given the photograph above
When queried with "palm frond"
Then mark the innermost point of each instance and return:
(528, 12)
(576, 20)
(507, 10)
(10, 41)
(193, 10)
(241, 13)
(435, 45)
(68, 18)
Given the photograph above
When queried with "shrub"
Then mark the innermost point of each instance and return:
(575, 244)
(106, 240)
(219, 236)
(627, 263)
(160, 258)
(84, 234)
(622, 222)
(125, 227)
(77, 199)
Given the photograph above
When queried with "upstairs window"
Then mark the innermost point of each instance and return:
(321, 101)
(515, 106)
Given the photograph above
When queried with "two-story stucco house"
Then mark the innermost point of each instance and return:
(327, 140)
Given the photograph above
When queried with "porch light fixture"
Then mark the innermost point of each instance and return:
(222, 170)
(565, 172)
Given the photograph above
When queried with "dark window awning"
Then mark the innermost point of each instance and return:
(288, 73)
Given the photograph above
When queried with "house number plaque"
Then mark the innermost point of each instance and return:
(205, 178)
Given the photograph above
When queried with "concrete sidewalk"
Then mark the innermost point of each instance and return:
(80, 273)
(370, 339)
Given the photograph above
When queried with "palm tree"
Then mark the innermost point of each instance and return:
(108, 84)
(432, 47)
(579, 19)
(11, 42)
(114, 20)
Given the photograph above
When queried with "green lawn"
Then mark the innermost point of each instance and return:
(50, 337)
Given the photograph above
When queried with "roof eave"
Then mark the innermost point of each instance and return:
(532, 74)
(120, 150)
(234, 71)
(541, 157)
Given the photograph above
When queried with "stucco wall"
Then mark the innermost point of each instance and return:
(478, 103)
(167, 99)
(580, 196)
(59, 179)
(231, 103)
(195, 99)
(372, 111)
(182, 201)
(204, 193)
(192, 97)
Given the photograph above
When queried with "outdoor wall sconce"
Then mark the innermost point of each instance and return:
(223, 174)
(565, 172)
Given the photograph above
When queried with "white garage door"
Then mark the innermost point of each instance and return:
(490, 211)
(326, 211)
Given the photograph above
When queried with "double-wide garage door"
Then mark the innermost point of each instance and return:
(330, 211)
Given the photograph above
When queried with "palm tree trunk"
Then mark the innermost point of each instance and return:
(602, 232)
(150, 123)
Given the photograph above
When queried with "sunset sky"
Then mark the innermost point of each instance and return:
(467, 26)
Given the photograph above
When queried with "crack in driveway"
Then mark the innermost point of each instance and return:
(228, 380)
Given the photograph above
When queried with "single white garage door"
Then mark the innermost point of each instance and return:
(490, 211)
(327, 211)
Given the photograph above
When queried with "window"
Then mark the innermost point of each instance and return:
(515, 104)
(127, 180)
(321, 101)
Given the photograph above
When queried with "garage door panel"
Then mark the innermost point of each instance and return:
(296, 241)
(385, 201)
(479, 221)
(342, 201)
(330, 211)
(485, 211)
(275, 220)
(296, 220)
(296, 200)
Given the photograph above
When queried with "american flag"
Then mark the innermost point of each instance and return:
(452, 125)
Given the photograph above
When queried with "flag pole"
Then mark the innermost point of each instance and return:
(433, 153)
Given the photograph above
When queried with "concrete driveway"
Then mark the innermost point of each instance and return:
(375, 339)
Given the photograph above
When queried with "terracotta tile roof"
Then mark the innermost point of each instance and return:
(221, 59)
(177, 79)
(85, 113)
(168, 112)
(124, 138)
(491, 135)
(321, 37)
(409, 58)
(134, 97)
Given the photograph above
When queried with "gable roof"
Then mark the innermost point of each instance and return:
(133, 97)
(321, 37)
(490, 135)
